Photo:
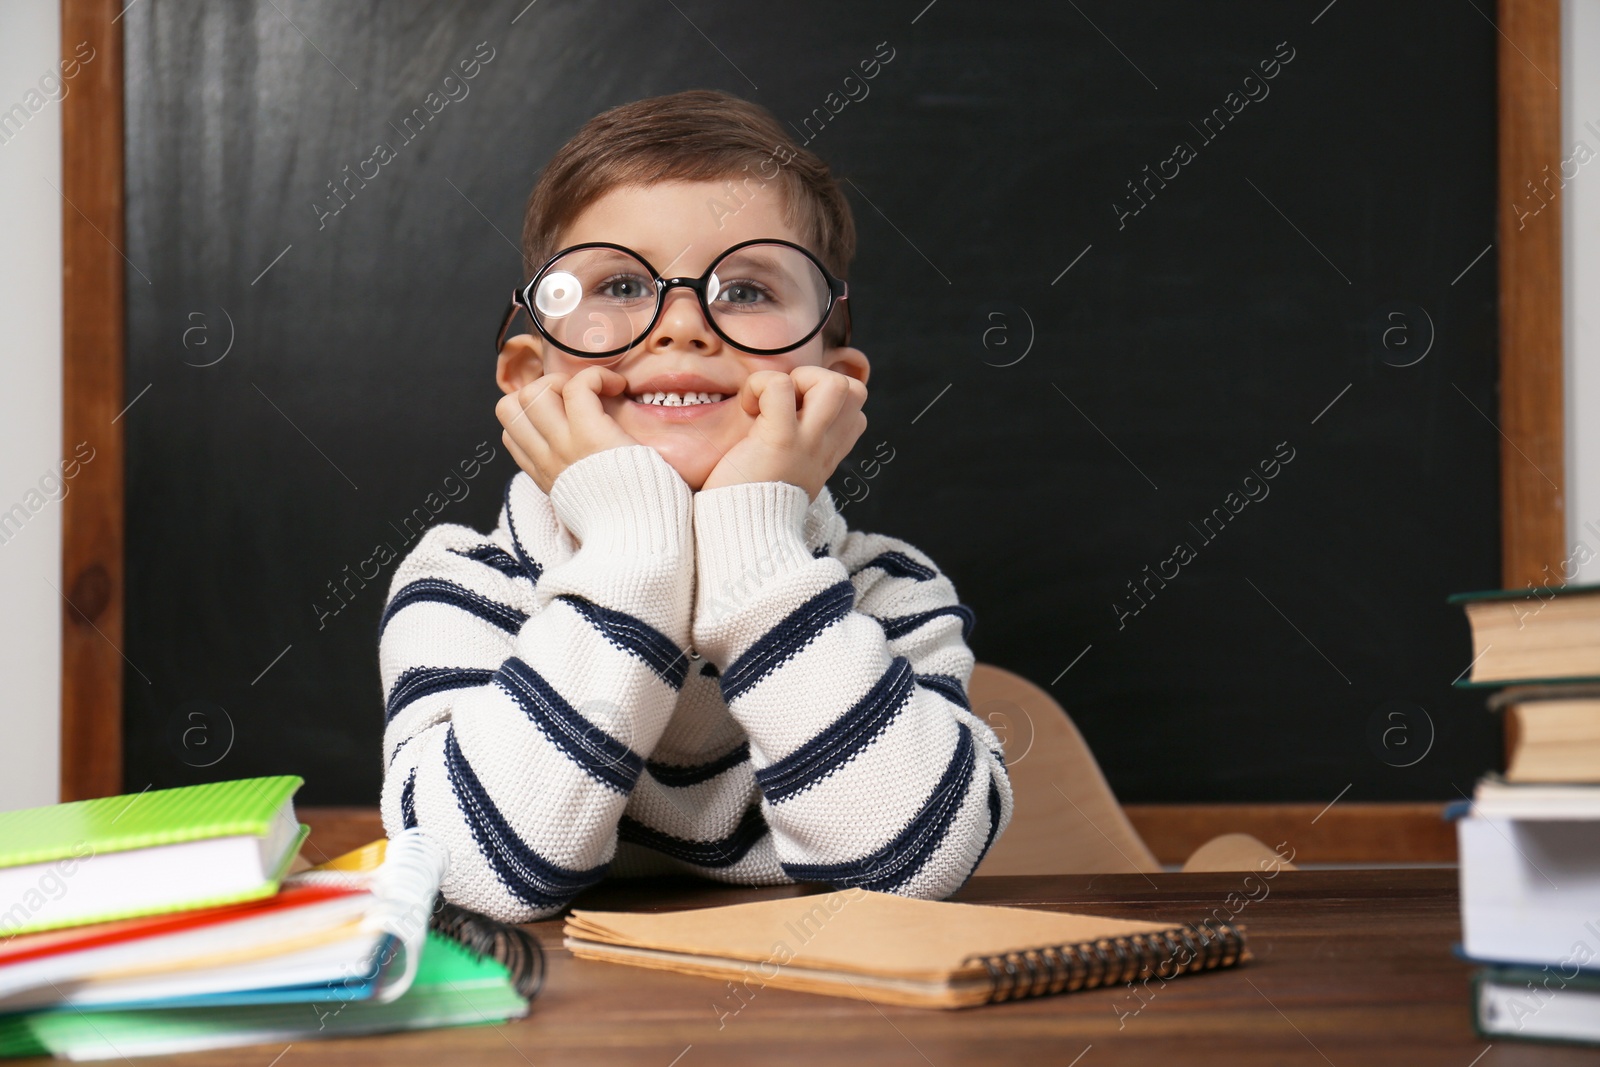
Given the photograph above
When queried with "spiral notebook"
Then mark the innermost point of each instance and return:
(896, 950)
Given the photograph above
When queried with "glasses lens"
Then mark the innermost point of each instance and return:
(595, 299)
(767, 296)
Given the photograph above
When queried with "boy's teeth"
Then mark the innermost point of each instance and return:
(678, 399)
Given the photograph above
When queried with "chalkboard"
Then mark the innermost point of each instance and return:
(1182, 320)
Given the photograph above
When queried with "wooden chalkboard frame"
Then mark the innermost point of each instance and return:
(94, 360)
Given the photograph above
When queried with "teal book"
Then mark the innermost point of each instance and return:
(453, 986)
(1537, 1004)
(161, 850)
(1539, 634)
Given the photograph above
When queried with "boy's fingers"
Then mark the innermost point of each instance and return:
(528, 441)
(546, 385)
(807, 379)
(830, 411)
(585, 412)
(513, 407)
(750, 392)
(774, 398)
(601, 381)
(520, 404)
(536, 469)
(749, 395)
(533, 417)
(544, 407)
(507, 410)
(518, 454)
(583, 390)
(826, 396)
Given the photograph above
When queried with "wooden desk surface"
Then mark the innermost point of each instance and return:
(1351, 967)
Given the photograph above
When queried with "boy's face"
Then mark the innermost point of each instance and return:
(675, 227)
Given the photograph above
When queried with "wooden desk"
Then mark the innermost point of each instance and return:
(1352, 967)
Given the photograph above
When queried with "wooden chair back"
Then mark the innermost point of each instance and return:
(1066, 820)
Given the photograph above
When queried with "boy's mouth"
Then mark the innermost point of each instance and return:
(679, 399)
(680, 406)
(677, 396)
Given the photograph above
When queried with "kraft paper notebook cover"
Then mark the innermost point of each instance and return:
(144, 853)
(893, 949)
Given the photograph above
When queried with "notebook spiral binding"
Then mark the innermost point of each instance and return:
(513, 947)
(1034, 972)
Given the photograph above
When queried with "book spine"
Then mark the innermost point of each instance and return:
(1202, 946)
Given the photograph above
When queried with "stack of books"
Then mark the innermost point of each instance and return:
(167, 921)
(1529, 838)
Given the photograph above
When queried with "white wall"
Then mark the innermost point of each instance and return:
(1580, 106)
(30, 409)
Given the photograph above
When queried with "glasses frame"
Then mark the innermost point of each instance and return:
(522, 299)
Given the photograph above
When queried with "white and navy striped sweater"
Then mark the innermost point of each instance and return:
(628, 677)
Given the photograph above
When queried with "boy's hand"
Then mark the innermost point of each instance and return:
(806, 423)
(556, 420)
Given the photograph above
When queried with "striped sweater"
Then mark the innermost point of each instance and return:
(628, 677)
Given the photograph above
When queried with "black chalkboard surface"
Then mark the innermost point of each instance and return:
(1182, 320)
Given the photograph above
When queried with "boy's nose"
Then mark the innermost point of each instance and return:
(682, 325)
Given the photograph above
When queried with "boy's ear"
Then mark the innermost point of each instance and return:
(521, 361)
(851, 362)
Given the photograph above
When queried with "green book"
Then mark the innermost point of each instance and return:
(452, 987)
(1534, 635)
(1533, 592)
(145, 853)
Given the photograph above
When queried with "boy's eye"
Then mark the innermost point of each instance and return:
(743, 293)
(625, 287)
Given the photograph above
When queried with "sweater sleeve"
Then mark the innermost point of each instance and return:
(849, 676)
(523, 696)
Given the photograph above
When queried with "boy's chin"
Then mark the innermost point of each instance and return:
(692, 459)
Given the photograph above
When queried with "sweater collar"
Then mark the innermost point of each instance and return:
(531, 520)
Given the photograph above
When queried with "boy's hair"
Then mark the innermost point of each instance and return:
(695, 135)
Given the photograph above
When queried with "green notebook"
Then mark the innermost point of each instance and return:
(144, 853)
(452, 987)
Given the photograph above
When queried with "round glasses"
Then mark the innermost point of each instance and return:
(594, 300)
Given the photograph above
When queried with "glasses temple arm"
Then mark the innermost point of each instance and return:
(510, 317)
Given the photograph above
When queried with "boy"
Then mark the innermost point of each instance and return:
(671, 655)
